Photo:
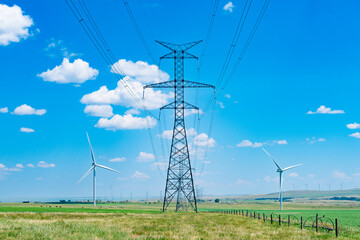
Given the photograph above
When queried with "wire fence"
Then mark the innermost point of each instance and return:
(318, 223)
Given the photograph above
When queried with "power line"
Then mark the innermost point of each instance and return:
(137, 28)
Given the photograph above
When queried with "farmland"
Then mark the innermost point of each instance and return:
(145, 221)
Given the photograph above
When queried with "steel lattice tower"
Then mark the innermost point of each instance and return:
(179, 181)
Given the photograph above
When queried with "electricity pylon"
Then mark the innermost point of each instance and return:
(179, 174)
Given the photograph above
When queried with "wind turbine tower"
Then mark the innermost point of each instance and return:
(93, 168)
(280, 171)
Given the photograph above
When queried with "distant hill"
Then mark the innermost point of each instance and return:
(351, 194)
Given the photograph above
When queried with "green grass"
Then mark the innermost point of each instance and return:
(146, 221)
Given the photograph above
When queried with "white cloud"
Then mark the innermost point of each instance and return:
(145, 157)
(57, 47)
(227, 96)
(4, 110)
(247, 143)
(242, 182)
(293, 174)
(105, 111)
(206, 162)
(39, 178)
(132, 111)
(141, 71)
(14, 25)
(168, 133)
(43, 164)
(2, 166)
(77, 72)
(19, 165)
(203, 140)
(160, 165)
(154, 99)
(281, 142)
(118, 159)
(221, 105)
(355, 135)
(30, 165)
(188, 112)
(314, 140)
(353, 125)
(140, 175)
(26, 130)
(324, 110)
(340, 175)
(269, 179)
(127, 121)
(28, 110)
(229, 7)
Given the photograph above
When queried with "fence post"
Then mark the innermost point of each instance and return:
(247, 212)
(289, 220)
(254, 215)
(317, 220)
(301, 223)
(336, 227)
(279, 219)
(264, 216)
(242, 212)
(271, 219)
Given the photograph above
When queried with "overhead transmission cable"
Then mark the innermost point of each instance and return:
(248, 41)
(94, 34)
(232, 47)
(142, 39)
(102, 47)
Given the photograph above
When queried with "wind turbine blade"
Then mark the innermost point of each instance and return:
(91, 150)
(107, 168)
(87, 173)
(271, 158)
(291, 167)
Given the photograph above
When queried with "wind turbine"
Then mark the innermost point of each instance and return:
(280, 171)
(93, 168)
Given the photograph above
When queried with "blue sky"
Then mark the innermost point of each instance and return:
(56, 87)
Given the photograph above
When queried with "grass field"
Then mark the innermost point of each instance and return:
(146, 221)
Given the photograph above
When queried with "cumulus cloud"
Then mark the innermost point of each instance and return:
(242, 182)
(118, 159)
(227, 96)
(203, 140)
(324, 110)
(188, 112)
(315, 140)
(28, 110)
(128, 121)
(141, 71)
(293, 174)
(14, 25)
(26, 130)
(145, 157)
(30, 165)
(57, 47)
(4, 110)
(221, 105)
(19, 165)
(168, 133)
(77, 72)
(120, 95)
(229, 7)
(132, 111)
(43, 164)
(355, 135)
(350, 125)
(140, 175)
(105, 111)
(248, 143)
(341, 175)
